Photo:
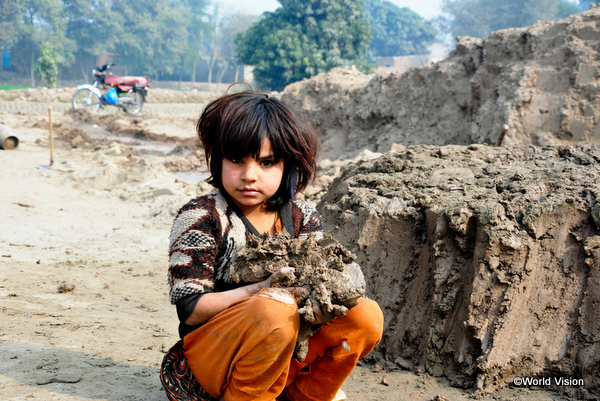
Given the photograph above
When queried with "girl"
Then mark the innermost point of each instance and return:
(237, 342)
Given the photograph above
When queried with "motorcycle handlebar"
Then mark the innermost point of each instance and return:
(105, 67)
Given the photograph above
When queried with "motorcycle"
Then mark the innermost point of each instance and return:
(128, 93)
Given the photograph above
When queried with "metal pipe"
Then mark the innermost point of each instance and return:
(7, 138)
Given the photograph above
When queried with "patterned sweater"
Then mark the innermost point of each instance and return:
(207, 234)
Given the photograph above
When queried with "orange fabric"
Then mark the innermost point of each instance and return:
(278, 224)
(328, 364)
(245, 352)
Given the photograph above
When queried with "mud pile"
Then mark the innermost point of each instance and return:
(325, 274)
(485, 260)
(543, 81)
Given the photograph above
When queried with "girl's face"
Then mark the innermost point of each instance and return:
(251, 182)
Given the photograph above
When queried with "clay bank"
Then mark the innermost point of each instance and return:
(485, 260)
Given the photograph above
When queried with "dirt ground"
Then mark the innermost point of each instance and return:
(97, 222)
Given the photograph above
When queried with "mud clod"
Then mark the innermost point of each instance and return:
(325, 275)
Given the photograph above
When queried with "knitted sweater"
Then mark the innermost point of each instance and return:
(207, 234)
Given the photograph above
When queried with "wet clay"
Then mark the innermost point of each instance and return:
(325, 275)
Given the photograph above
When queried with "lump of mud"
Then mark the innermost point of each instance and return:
(325, 274)
(84, 116)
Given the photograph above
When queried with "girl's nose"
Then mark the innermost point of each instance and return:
(249, 172)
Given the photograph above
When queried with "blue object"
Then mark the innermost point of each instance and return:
(111, 96)
(5, 59)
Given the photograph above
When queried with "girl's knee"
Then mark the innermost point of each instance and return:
(368, 319)
(277, 310)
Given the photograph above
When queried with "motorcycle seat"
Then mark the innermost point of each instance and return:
(133, 81)
(129, 81)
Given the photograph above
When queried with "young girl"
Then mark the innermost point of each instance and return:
(237, 342)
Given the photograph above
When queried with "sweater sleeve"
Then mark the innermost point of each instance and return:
(193, 249)
(309, 219)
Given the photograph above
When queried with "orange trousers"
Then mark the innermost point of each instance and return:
(245, 352)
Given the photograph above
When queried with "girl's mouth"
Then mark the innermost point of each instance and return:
(249, 191)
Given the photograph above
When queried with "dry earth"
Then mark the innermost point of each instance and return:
(98, 219)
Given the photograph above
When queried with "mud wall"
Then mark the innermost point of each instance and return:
(485, 260)
(543, 81)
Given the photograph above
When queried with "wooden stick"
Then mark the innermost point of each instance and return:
(502, 134)
(51, 137)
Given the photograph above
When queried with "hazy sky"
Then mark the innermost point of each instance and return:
(426, 8)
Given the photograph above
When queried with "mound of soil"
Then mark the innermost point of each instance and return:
(542, 81)
(485, 260)
(84, 116)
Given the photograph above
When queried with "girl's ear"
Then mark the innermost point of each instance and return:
(292, 182)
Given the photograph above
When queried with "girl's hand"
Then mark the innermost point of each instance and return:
(318, 313)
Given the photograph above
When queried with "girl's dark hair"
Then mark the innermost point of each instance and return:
(234, 126)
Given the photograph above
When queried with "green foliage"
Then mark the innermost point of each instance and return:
(229, 27)
(303, 38)
(478, 18)
(398, 31)
(148, 36)
(145, 36)
(10, 22)
(12, 87)
(195, 10)
(92, 25)
(39, 22)
(47, 65)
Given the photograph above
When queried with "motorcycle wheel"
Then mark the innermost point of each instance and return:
(132, 102)
(86, 99)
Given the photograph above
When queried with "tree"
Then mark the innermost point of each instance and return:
(303, 38)
(210, 42)
(145, 37)
(151, 34)
(94, 27)
(40, 21)
(397, 31)
(11, 12)
(230, 26)
(47, 66)
(479, 18)
(198, 22)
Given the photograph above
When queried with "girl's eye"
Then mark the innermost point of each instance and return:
(236, 161)
(266, 163)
